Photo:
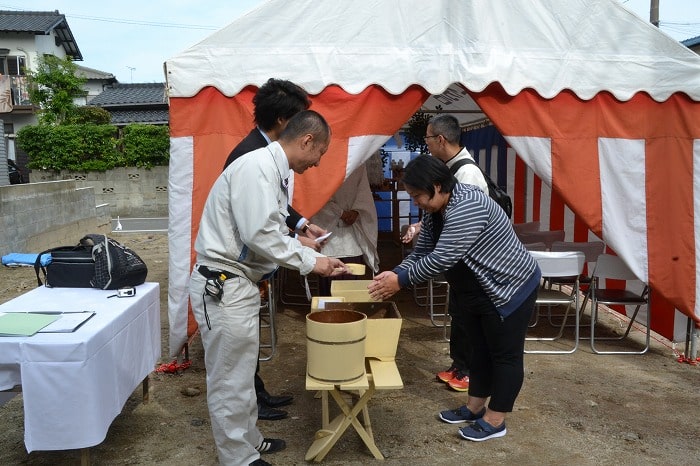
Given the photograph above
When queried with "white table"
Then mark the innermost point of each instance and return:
(75, 384)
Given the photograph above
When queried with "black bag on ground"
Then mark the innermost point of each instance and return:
(70, 266)
(495, 192)
(115, 264)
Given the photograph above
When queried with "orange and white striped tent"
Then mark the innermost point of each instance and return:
(600, 105)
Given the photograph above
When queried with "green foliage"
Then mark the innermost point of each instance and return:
(146, 145)
(70, 147)
(90, 147)
(416, 130)
(90, 115)
(53, 87)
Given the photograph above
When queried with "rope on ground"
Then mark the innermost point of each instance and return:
(174, 367)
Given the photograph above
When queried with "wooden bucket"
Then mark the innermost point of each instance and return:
(335, 343)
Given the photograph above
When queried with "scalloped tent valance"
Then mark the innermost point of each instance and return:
(586, 46)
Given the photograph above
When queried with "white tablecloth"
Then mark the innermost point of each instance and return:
(75, 384)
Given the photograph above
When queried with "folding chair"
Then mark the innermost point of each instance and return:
(268, 309)
(613, 267)
(526, 227)
(539, 246)
(590, 249)
(546, 237)
(552, 265)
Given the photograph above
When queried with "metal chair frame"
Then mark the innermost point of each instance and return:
(559, 264)
(268, 311)
(613, 267)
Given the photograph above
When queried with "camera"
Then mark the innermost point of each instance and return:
(126, 292)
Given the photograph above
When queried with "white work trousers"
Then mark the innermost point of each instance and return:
(230, 356)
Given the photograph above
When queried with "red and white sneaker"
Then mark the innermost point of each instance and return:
(446, 376)
(460, 382)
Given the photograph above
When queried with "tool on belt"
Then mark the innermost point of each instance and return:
(213, 287)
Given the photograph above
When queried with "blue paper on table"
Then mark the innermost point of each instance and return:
(17, 259)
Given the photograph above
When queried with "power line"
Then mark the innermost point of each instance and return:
(128, 21)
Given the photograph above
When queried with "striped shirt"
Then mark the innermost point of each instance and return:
(476, 231)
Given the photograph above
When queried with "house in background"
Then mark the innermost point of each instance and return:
(24, 37)
(97, 81)
(134, 103)
(693, 44)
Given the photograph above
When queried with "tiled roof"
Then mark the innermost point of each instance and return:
(91, 73)
(124, 117)
(693, 41)
(141, 94)
(41, 22)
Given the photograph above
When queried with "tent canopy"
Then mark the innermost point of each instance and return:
(587, 46)
(599, 104)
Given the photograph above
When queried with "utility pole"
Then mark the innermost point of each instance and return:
(654, 13)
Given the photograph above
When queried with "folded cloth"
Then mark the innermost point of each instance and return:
(17, 259)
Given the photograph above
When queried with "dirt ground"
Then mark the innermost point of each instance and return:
(579, 409)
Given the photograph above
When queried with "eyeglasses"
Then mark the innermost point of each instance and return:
(425, 138)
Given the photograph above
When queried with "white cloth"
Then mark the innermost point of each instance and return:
(75, 384)
(230, 356)
(360, 238)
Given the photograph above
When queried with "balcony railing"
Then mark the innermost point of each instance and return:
(19, 87)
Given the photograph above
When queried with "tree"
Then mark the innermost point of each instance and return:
(53, 88)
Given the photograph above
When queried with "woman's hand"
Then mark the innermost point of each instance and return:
(384, 286)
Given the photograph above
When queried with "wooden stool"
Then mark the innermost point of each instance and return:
(380, 375)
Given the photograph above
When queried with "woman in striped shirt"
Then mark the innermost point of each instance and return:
(467, 236)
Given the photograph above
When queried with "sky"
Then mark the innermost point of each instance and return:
(131, 39)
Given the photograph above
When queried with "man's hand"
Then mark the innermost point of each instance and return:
(384, 286)
(349, 216)
(313, 231)
(411, 233)
(310, 243)
(330, 267)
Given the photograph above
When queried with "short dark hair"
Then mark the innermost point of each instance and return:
(307, 122)
(425, 171)
(448, 126)
(278, 98)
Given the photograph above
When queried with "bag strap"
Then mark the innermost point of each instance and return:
(459, 164)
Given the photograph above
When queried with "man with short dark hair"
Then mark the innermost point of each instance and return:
(275, 103)
(242, 240)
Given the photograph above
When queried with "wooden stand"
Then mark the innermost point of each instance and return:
(380, 375)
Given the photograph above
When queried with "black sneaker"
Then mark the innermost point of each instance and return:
(460, 415)
(260, 462)
(271, 445)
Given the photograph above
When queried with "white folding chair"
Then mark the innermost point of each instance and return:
(613, 267)
(590, 249)
(553, 265)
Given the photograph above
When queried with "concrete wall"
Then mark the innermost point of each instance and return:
(38, 216)
(130, 191)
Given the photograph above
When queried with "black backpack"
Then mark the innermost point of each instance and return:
(497, 194)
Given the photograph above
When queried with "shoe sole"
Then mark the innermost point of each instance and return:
(459, 389)
(488, 437)
(461, 421)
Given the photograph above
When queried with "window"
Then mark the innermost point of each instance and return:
(13, 65)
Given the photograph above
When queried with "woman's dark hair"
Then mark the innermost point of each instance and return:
(425, 171)
(278, 98)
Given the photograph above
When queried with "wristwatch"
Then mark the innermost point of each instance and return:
(305, 227)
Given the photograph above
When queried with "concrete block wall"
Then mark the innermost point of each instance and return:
(129, 191)
(39, 216)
